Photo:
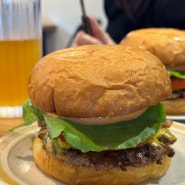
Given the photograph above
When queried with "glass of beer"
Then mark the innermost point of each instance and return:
(20, 49)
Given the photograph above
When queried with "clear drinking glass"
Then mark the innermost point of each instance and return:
(20, 49)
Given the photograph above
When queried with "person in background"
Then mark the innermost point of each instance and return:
(126, 15)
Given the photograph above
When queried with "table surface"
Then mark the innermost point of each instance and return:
(7, 123)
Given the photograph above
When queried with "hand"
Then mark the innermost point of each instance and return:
(99, 36)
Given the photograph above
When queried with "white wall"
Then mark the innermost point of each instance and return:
(66, 14)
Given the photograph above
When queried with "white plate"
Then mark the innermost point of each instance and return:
(18, 168)
(176, 117)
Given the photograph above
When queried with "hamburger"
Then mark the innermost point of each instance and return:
(168, 45)
(99, 115)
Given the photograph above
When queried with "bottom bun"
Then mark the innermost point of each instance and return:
(83, 175)
(174, 106)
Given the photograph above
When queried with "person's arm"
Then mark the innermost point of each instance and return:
(99, 36)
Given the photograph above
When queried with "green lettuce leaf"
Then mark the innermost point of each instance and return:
(30, 114)
(120, 135)
(176, 74)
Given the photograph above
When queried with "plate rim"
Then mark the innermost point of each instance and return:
(20, 133)
(176, 117)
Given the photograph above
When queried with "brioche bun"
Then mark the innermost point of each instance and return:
(168, 44)
(71, 174)
(106, 81)
(175, 106)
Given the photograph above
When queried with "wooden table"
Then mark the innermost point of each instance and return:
(8, 123)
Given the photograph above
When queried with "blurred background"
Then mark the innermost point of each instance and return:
(61, 18)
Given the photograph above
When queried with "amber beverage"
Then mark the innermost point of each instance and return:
(20, 49)
(17, 58)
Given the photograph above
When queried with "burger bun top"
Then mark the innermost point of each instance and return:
(98, 81)
(168, 44)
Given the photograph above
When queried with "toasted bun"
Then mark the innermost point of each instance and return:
(166, 43)
(174, 106)
(98, 81)
(75, 175)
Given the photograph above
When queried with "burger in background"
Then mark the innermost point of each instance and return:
(168, 45)
(100, 117)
